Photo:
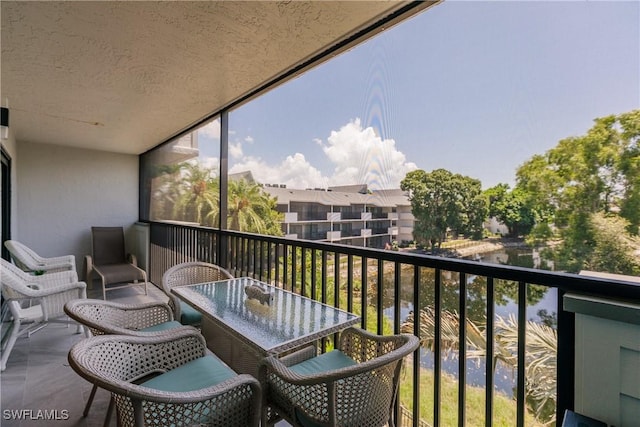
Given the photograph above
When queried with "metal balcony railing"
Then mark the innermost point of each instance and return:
(383, 286)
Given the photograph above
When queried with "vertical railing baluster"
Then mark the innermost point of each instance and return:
(416, 354)
(269, 262)
(350, 283)
(363, 289)
(565, 389)
(243, 256)
(522, 332)
(397, 281)
(285, 264)
(336, 288)
(437, 349)
(462, 351)
(255, 258)
(261, 260)
(238, 255)
(323, 290)
(314, 275)
(294, 265)
(323, 272)
(380, 300)
(336, 280)
(489, 356)
(277, 259)
(303, 273)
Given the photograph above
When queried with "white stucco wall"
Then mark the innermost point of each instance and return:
(63, 191)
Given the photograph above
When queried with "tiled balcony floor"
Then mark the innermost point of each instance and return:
(38, 376)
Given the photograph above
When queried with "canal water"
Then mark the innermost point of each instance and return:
(541, 307)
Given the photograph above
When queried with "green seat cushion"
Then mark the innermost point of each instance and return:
(334, 359)
(162, 326)
(200, 373)
(189, 315)
(329, 361)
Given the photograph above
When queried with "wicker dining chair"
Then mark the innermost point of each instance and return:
(167, 380)
(28, 260)
(355, 384)
(31, 302)
(111, 318)
(190, 273)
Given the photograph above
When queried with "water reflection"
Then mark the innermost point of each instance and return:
(541, 305)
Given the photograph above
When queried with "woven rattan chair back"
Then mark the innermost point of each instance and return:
(362, 394)
(190, 273)
(117, 362)
(107, 317)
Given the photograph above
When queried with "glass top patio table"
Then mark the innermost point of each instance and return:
(290, 321)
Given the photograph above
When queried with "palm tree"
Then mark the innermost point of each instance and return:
(198, 195)
(541, 350)
(251, 209)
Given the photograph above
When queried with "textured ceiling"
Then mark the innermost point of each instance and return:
(125, 76)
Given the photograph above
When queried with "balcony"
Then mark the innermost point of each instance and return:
(381, 286)
(384, 286)
(73, 161)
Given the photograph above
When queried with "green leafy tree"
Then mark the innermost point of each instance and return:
(595, 173)
(613, 248)
(442, 201)
(630, 167)
(512, 208)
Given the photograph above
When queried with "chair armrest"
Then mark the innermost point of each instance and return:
(43, 291)
(88, 267)
(60, 277)
(132, 259)
(63, 259)
(299, 356)
(362, 345)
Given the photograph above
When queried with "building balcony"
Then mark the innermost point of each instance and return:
(334, 216)
(397, 283)
(290, 217)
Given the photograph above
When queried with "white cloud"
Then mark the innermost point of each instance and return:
(362, 157)
(294, 171)
(249, 139)
(211, 129)
(235, 150)
(209, 163)
(358, 156)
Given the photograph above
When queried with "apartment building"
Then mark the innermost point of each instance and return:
(352, 215)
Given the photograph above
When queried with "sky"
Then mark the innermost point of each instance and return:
(474, 87)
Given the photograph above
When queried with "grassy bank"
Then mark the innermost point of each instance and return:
(504, 407)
